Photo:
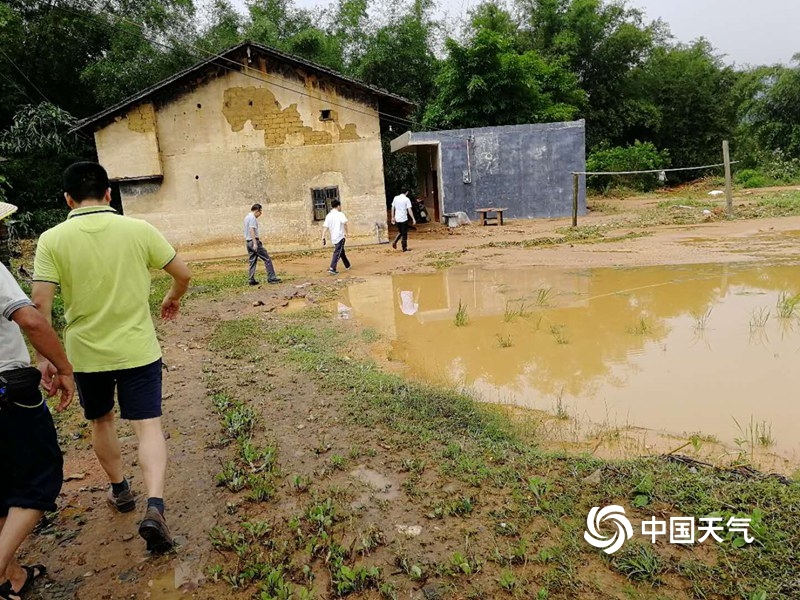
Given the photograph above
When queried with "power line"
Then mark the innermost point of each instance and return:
(46, 99)
(19, 87)
(733, 162)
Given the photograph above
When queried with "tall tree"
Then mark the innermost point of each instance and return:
(689, 89)
(602, 43)
(769, 111)
(487, 82)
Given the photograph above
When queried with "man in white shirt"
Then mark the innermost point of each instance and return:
(255, 249)
(401, 213)
(336, 224)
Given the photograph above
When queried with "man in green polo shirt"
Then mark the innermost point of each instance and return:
(102, 261)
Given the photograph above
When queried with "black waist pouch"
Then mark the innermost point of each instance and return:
(20, 387)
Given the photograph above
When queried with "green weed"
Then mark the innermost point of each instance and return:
(512, 313)
(641, 327)
(508, 581)
(504, 341)
(557, 331)
(759, 318)
(701, 319)
(543, 297)
(787, 305)
(639, 563)
(461, 315)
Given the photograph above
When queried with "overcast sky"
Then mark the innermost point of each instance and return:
(745, 31)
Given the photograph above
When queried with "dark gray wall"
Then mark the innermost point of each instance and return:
(526, 168)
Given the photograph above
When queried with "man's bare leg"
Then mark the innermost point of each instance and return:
(13, 531)
(106, 446)
(152, 455)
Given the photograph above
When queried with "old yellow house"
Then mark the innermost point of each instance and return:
(193, 152)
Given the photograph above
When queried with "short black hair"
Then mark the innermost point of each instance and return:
(335, 203)
(85, 181)
(255, 207)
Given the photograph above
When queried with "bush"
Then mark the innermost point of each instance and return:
(639, 157)
(781, 168)
(750, 178)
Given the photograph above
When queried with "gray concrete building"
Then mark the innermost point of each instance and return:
(524, 168)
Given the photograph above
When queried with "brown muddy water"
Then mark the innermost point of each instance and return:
(698, 349)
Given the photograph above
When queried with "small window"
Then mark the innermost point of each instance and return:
(325, 115)
(321, 199)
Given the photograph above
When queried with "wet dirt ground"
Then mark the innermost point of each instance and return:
(93, 553)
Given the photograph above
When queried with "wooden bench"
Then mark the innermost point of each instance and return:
(485, 215)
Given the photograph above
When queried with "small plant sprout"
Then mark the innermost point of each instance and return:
(759, 318)
(461, 314)
(557, 332)
(641, 327)
(701, 320)
(512, 313)
(504, 341)
(787, 305)
(543, 296)
(508, 581)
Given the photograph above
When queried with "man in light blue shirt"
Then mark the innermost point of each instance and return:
(255, 249)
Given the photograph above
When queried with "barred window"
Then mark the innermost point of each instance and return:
(321, 199)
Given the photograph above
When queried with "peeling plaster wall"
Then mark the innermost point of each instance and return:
(526, 168)
(234, 141)
(128, 147)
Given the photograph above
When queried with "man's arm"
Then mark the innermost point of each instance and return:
(411, 215)
(181, 276)
(45, 341)
(253, 234)
(324, 231)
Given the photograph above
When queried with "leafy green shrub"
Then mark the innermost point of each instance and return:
(639, 157)
(750, 178)
(781, 168)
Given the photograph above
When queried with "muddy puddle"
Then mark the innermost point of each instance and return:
(710, 350)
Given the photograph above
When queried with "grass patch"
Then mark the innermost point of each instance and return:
(237, 338)
(442, 260)
(588, 234)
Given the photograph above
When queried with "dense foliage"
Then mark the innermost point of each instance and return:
(537, 61)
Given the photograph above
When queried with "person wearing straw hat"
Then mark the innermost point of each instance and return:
(6, 210)
(33, 467)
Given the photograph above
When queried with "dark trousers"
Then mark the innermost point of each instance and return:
(402, 226)
(338, 252)
(256, 250)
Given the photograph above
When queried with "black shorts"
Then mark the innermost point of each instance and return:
(33, 468)
(138, 392)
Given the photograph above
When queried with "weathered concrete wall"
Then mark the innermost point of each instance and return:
(234, 141)
(128, 147)
(526, 168)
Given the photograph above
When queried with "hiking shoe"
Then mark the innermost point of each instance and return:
(123, 502)
(155, 532)
(332, 272)
(253, 282)
(347, 268)
(274, 280)
(394, 245)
